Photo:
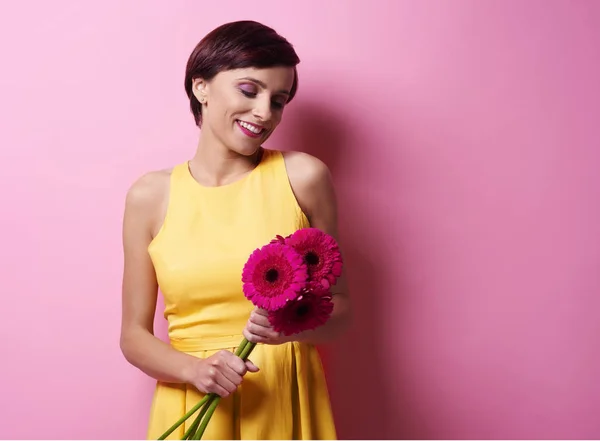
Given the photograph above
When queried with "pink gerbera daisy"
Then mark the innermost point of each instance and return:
(273, 275)
(309, 311)
(321, 254)
(279, 239)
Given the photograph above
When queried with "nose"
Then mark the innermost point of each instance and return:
(262, 109)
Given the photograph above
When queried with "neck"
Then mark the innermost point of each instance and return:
(214, 164)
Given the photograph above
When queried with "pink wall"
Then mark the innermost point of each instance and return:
(462, 135)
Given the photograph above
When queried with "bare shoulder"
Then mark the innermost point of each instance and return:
(306, 170)
(147, 198)
(149, 188)
(311, 182)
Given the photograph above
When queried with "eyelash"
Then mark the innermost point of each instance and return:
(253, 95)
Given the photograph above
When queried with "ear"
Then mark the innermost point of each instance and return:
(199, 89)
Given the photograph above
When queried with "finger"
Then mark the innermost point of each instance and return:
(261, 331)
(252, 337)
(217, 389)
(259, 319)
(228, 379)
(236, 364)
(261, 311)
(213, 383)
(251, 366)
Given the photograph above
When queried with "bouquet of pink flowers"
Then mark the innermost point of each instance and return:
(290, 277)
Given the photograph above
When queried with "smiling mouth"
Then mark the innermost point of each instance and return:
(250, 129)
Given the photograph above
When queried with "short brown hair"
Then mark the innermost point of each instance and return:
(237, 45)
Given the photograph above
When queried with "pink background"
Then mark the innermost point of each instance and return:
(463, 137)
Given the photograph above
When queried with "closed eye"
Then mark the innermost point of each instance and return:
(248, 94)
(275, 104)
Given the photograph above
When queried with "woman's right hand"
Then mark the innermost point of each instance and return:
(221, 373)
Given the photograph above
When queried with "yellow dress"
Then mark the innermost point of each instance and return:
(207, 236)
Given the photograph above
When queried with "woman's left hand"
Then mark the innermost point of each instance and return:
(259, 330)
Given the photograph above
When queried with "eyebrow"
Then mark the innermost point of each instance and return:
(263, 85)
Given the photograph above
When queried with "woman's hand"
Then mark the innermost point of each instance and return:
(259, 330)
(220, 373)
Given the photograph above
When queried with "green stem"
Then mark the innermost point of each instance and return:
(243, 351)
(192, 429)
(183, 418)
(210, 401)
(241, 347)
(211, 409)
(247, 350)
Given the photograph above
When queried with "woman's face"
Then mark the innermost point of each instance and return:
(242, 107)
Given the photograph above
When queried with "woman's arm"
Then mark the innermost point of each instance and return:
(313, 186)
(220, 373)
(145, 200)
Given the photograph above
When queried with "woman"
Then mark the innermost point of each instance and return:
(190, 229)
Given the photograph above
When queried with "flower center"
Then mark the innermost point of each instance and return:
(302, 310)
(272, 275)
(311, 258)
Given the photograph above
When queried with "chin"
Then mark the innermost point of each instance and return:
(247, 150)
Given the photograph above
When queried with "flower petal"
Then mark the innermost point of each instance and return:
(272, 292)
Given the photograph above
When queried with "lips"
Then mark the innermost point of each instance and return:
(250, 129)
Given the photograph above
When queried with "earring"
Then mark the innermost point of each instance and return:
(202, 100)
